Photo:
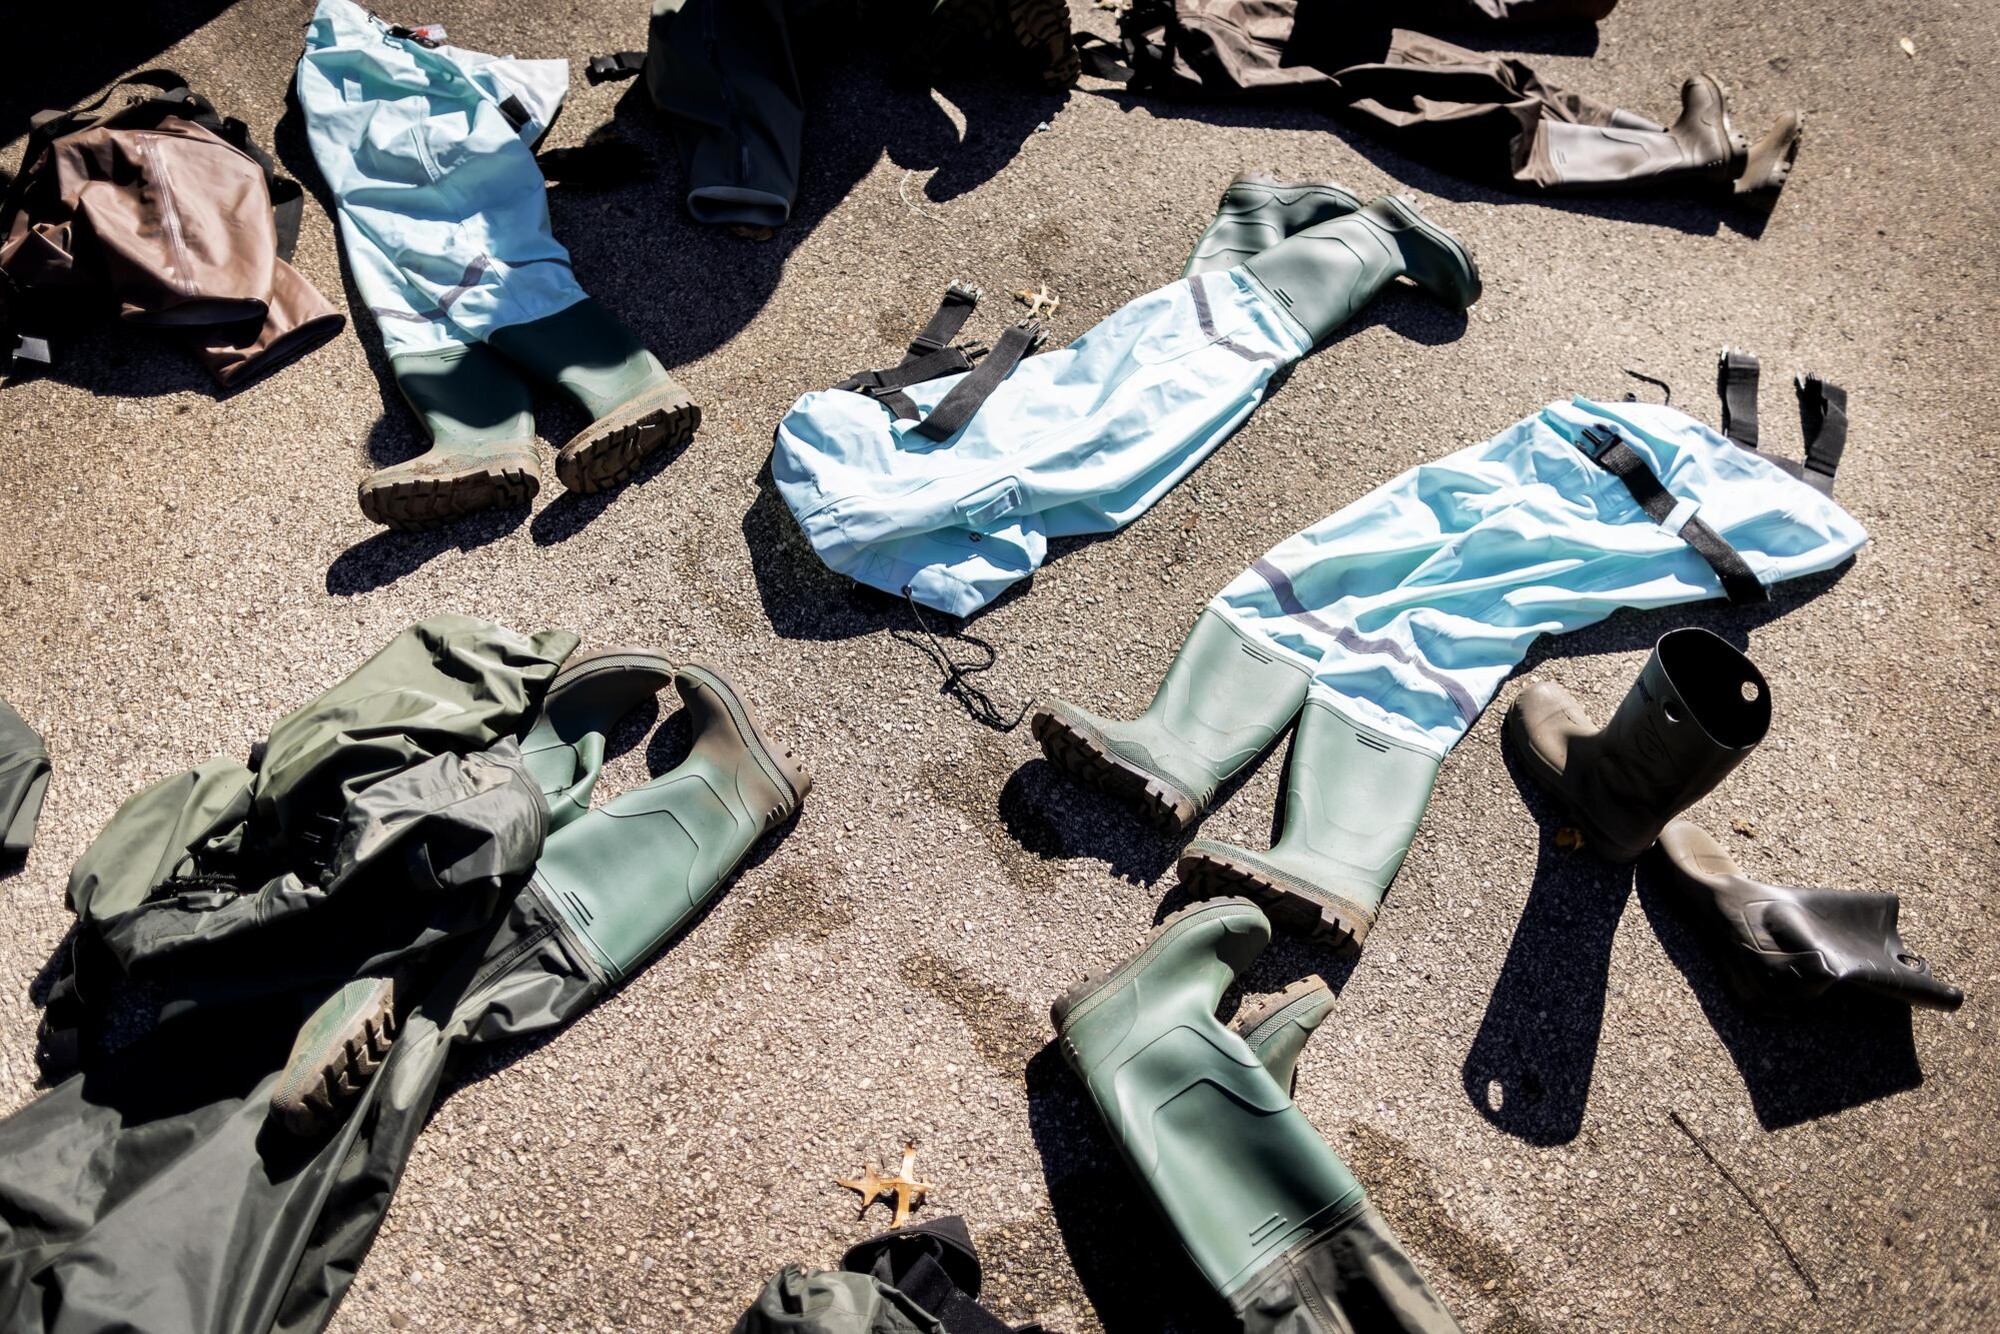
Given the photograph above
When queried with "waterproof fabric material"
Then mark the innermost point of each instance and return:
(721, 72)
(24, 777)
(1080, 440)
(822, 1301)
(1413, 604)
(149, 212)
(443, 212)
(1473, 113)
(390, 824)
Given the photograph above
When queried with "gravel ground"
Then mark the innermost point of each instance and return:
(1531, 1067)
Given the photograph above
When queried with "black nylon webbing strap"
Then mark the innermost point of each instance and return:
(951, 414)
(1623, 462)
(886, 386)
(953, 310)
(1736, 384)
(617, 65)
(1823, 417)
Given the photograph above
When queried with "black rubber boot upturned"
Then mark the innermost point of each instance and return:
(1695, 712)
(1782, 947)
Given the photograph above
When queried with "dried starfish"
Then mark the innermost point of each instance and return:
(903, 1189)
(1039, 301)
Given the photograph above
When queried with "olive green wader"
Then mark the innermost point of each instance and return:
(24, 779)
(1262, 1206)
(389, 828)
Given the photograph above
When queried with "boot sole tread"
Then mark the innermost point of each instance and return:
(414, 504)
(1084, 757)
(1293, 907)
(606, 453)
(779, 762)
(344, 1071)
(1263, 1011)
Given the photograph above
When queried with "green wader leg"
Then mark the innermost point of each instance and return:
(1266, 1210)
(628, 874)
(1223, 702)
(636, 407)
(1257, 212)
(479, 417)
(1353, 797)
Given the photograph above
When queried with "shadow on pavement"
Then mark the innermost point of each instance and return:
(54, 63)
(1840, 1053)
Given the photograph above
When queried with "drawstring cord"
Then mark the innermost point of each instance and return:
(978, 705)
(1664, 388)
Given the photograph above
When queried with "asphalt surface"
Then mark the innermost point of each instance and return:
(1532, 1067)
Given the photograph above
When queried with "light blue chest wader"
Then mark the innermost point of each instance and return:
(946, 480)
(1386, 628)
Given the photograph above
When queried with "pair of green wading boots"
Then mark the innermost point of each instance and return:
(623, 877)
(477, 407)
(1697, 710)
(1353, 794)
(1203, 1116)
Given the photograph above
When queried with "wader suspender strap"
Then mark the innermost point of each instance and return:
(933, 1263)
(928, 356)
(617, 65)
(1736, 385)
(951, 414)
(1623, 462)
(1823, 416)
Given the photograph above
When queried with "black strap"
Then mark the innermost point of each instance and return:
(953, 310)
(1736, 384)
(617, 65)
(886, 386)
(1823, 417)
(951, 414)
(1103, 59)
(1623, 462)
(933, 1263)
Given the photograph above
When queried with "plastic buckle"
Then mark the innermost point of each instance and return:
(1596, 441)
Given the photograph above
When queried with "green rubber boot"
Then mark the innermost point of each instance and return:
(1325, 274)
(1264, 1208)
(1277, 1028)
(1257, 212)
(478, 415)
(1225, 699)
(1353, 797)
(589, 354)
(626, 875)
(564, 749)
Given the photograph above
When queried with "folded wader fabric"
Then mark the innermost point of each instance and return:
(920, 1279)
(721, 72)
(24, 778)
(427, 149)
(389, 824)
(1411, 605)
(1079, 440)
(163, 211)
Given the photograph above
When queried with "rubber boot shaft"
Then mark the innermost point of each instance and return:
(1225, 699)
(1782, 948)
(1697, 710)
(1277, 1028)
(1353, 799)
(563, 750)
(1257, 212)
(591, 356)
(1325, 274)
(1239, 1172)
(1699, 148)
(627, 875)
(478, 415)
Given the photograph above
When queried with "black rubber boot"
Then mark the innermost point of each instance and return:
(1699, 148)
(1781, 947)
(1696, 711)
